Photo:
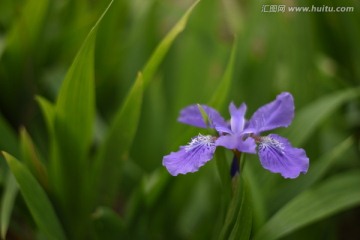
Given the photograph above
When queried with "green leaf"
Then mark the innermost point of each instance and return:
(217, 101)
(337, 194)
(7, 203)
(48, 111)
(21, 46)
(107, 224)
(75, 105)
(119, 139)
(8, 142)
(161, 50)
(30, 156)
(238, 220)
(243, 223)
(123, 129)
(36, 199)
(223, 169)
(152, 186)
(74, 118)
(8, 139)
(222, 92)
(315, 113)
(27, 26)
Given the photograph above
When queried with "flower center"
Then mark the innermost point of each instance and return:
(206, 141)
(268, 142)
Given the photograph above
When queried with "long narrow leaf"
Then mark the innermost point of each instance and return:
(7, 203)
(335, 195)
(8, 140)
(217, 101)
(27, 27)
(235, 210)
(107, 224)
(30, 156)
(36, 199)
(73, 135)
(243, 223)
(219, 96)
(119, 138)
(48, 111)
(123, 129)
(161, 50)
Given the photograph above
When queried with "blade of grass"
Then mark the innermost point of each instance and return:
(118, 140)
(9, 143)
(161, 50)
(243, 223)
(233, 209)
(7, 203)
(30, 156)
(26, 27)
(337, 194)
(219, 97)
(48, 111)
(123, 128)
(8, 139)
(36, 199)
(107, 224)
(20, 45)
(217, 101)
(73, 135)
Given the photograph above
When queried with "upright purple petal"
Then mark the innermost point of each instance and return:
(237, 121)
(278, 156)
(278, 113)
(191, 115)
(190, 157)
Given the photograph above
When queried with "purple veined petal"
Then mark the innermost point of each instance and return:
(234, 141)
(248, 145)
(278, 156)
(190, 157)
(237, 121)
(278, 113)
(227, 141)
(191, 115)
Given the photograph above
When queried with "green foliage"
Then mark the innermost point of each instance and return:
(338, 193)
(89, 96)
(238, 221)
(7, 203)
(36, 199)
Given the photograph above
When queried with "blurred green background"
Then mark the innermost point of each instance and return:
(315, 56)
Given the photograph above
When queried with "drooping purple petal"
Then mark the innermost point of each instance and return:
(237, 121)
(191, 115)
(190, 157)
(234, 141)
(278, 156)
(278, 113)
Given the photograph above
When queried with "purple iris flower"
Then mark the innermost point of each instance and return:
(276, 153)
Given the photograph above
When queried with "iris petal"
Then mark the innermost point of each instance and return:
(278, 113)
(190, 157)
(237, 117)
(191, 115)
(278, 156)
